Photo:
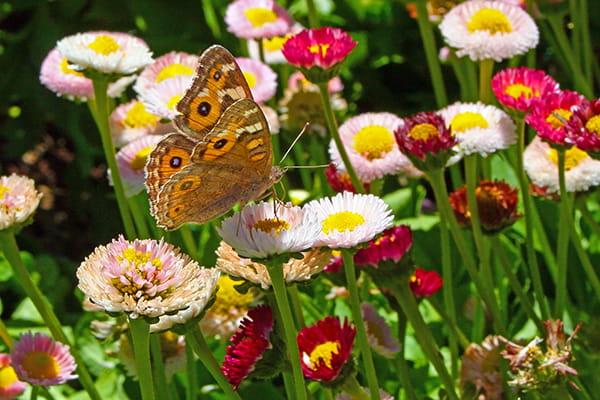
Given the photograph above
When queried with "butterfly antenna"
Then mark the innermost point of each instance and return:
(294, 142)
(307, 166)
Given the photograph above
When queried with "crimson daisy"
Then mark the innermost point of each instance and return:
(583, 129)
(425, 283)
(520, 88)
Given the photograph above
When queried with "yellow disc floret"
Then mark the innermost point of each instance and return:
(250, 78)
(259, 16)
(41, 365)
(593, 125)
(342, 221)
(319, 48)
(468, 120)
(373, 141)
(104, 44)
(271, 224)
(558, 118)
(324, 353)
(140, 158)
(491, 20)
(423, 131)
(65, 68)
(516, 90)
(138, 117)
(173, 70)
(573, 157)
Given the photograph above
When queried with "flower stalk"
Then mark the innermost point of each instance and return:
(140, 338)
(486, 69)
(161, 387)
(562, 245)
(191, 371)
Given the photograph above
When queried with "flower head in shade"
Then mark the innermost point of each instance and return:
(371, 146)
(541, 164)
(272, 119)
(131, 120)
(347, 219)
(496, 202)
(18, 201)
(425, 283)
(383, 395)
(583, 128)
(379, 333)
(257, 19)
(425, 140)
(486, 29)
(338, 179)
(479, 128)
(480, 369)
(106, 52)
(161, 99)
(519, 88)
(165, 67)
(390, 246)
(39, 360)
(146, 278)
(295, 270)
(325, 348)
(297, 81)
(131, 160)
(260, 77)
(248, 345)
(435, 8)
(550, 116)
(10, 385)
(272, 46)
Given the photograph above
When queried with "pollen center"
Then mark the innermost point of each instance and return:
(517, 90)
(271, 224)
(593, 125)
(7, 377)
(558, 118)
(275, 43)
(41, 365)
(491, 20)
(373, 142)
(573, 157)
(423, 131)
(342, 221)
(3, 191)
(173, 70)
(259, 16)
(320, 48)
(173, 101)
(104, 44)
(228, 298)
(324, 352)
(137, 117)
(468, 120)
(64, 67)
(139, 160)
(250, 78)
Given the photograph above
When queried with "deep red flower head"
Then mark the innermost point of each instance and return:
(335, 264)
(339, 180)
(583, 129)
(496, 203)
(248, 344)
(550, 116)
(425, 283)
(392, 245)
(520, 88)
(325, 347)
(321, 47)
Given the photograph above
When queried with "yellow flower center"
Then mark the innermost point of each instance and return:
(169, 344)
(64, 67)
(275, 43)
(324, 352)
(516, 90)
(4, 190)
(489, 19)
(593, 125)
(7, 377)
(138, 257)
(558, 118)
(468, 120)
(259, 16)
(137, 116)
(342, 221)
(271, 224)
(41, 365)
(173, 101)
(250, 78)
(319, 48)
(173, 70)
(423, 131)
(373, 141)
(104, 44)
(139, 160)
(573, 157)
(228, 298)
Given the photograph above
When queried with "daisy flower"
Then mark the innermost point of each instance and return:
(131, 160)
(583, 128)
(131, 120)
(480, 367)
(161, 99)
(146, 278)
(478, 128)
(519, 88)
(392, 245)
(272, 46)
(107, 52)
(339, 180)
(486, 29)
(260, 77)
(297, 81)
(18, 200)
(248, 345)
(257, 19)
(10, 385)
(165, 67)
(39, 360)
(371, 146)
(379, 333)
(541, 164)
(425, 283)
(347, 219)
(295, 270)
(325, 348)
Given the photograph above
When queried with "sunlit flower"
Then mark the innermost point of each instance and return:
(480, 368)
(161, 99)
(583, 128)
(10, 385)
(39, 360)
(519, 88)
(107, 52)
(297, 81)
(485, 29)
(391, 246)
(379, 333)
(347, 219)
(257, 19)
(325, 348)
(146, 278)
(295, 270)
(272, 46)
(18, 200)
(321, 47)
(130, 121)
(371, 146)
(550, 116)
(425, 283)
(131, 160)
(165, 67)
(260, 77)
(496, 202)
(248, 345)
(541, 164)
(383, 395)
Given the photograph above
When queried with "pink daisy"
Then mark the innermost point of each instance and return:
(10, 385)
(257, 19)
(322, 47)
(161, 99)
(132, 160)
(166, 67)
(425, 283)
(260, 77)
(131, 120)
(391, 246)
(519, 88)
(583, 129)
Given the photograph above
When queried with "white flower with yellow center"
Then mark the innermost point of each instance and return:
(272, 47)
(18, 200)
(479, 129)
(165, 67)
(349, 219)
(131, 121)
(131, 160)
(107, 52)
(161, 99)
(541, 164)
(486, 29)
(257, 19)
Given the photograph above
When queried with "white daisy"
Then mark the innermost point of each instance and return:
(131, 121)
(162, 99)
(131, 160)
(272, 46)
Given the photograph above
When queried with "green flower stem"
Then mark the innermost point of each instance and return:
(288, 384)
(532, 261)
(313, 15)
(401, 366)
(431, 53)
(353, 388)
(296, 306)
(361, 333)
(161, 386)
(562, 245)
(486, 69)
(35, 389)
(275, 269)
(588, 268)
(200, 347)
(140, 338)
(453, 326)
(471, 74)
(101, 118)
(211, 18)
(9, 248)
(588, 50)
(459, 72)
(192, 372)
(4, 335)
(424, 337)
(575, 29)
(189, 241)
(139, 218)
(547, 251)
(333, 131)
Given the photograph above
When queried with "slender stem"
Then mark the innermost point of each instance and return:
(587, 216)
(139, 218)
(431, 53)
(471, 178)
(454, 328)
(588, 268)
(401, 366)
(200, 347)
(140, 338)
(562, 245)
(158, 368)
(189, 241)
(210, 16)
(313, 15)
(353, 388)
(486, 68)
(9, 247)
(296, 306)
(35, 389)
(575, 30)
(588, 50)
(540, 233)
(192, 372)
(471, 74)
(361, 333)
(4, 335)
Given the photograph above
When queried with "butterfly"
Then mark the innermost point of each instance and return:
(221, 155)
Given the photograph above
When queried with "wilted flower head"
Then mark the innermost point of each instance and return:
(583, 128)
(379, 333)
(390, 246)
(257, 19)
(481, 368)
(131, 160)
(18, 200)
(10, 385)
(519, 88)
(261, 79)
(425, 283)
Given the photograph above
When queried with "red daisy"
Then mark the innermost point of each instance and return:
(583, 129)
(425, 283)
(392, 245)
(339, 180)
(322, 47)
(520, 88)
